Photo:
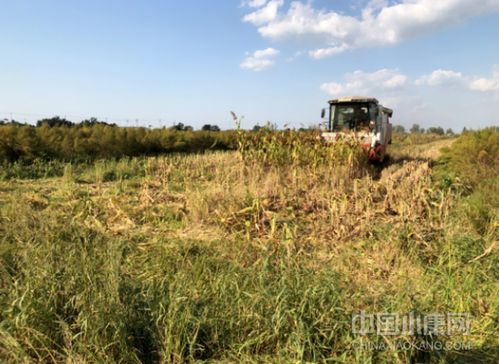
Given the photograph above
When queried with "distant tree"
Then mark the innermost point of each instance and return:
(436, 130)
(11, 122)
(94, 121)
(179, 126)
(415, 128)
(449, 131)
(182, 127)
(399, 129)
(209, 127)
(256, 127)
(55, 121)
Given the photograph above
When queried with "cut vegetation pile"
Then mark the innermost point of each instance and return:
(260, 259)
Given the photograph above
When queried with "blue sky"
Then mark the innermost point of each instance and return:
(160, 62)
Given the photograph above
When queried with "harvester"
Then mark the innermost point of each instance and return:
(364, 120)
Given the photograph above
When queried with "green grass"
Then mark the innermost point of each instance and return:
(213, 259)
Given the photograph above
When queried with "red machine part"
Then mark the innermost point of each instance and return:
(375, 153)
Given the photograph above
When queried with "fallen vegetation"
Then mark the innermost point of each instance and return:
(263, 258)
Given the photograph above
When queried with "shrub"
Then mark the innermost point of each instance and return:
(474, 156)
(474, 159)
(97, 141)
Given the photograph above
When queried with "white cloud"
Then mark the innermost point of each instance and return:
(440, 77)
(486, 84)
(360, 82)
(255, 3)
(363, 83)
(333, 88)
(265, 14)
(327, 52)
(378, 24)
(264, 53)
(449, 107)
(260, 60)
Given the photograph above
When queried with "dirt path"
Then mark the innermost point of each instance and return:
(426, 151)
(410, 158)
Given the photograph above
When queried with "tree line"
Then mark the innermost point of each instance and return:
(417, 129)
(58, 138)
(58, 121)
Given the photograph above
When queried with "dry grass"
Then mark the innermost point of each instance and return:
(211, 258)
(429, 151)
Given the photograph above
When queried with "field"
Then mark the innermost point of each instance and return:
(218, 258)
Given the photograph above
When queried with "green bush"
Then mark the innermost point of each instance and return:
(91, 142)
(473, 161)
(474, 156)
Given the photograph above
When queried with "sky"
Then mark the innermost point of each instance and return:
(156, 63)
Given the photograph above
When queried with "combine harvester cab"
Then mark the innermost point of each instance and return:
(362, 119)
